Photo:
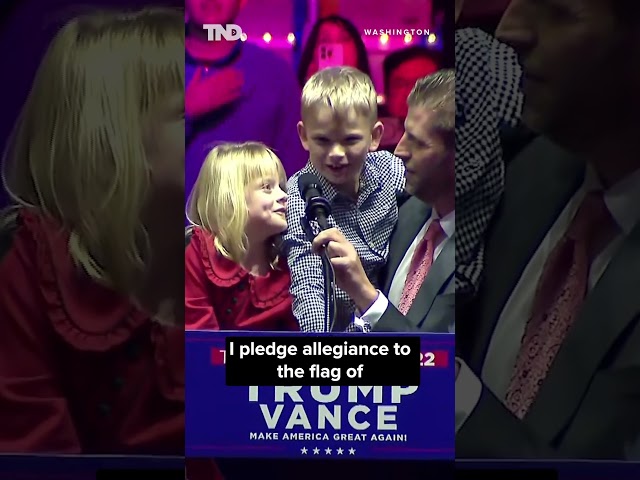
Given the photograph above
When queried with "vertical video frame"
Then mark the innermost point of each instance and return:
(91, 241)
(319, 238)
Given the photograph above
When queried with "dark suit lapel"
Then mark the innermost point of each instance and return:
(609, 309)
(411, 218)
(437, 279)
(538, 184)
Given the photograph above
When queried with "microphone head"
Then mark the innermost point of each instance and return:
(317, 207)
(308, 182)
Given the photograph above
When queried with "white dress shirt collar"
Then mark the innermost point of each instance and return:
(622, 199)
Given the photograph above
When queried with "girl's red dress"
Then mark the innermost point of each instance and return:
(221, 295)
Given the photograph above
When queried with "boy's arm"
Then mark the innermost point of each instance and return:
(488, 78)
(506, 74)
(487, 98)
(307, 281)
(392, 170)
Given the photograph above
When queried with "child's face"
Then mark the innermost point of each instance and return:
(164, 145)
(165, 141)
(267, 206)
(338, 145)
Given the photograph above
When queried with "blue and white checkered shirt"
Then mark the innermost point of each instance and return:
(488, 98)
(367, 224)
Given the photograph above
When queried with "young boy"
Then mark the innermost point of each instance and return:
(341, 131)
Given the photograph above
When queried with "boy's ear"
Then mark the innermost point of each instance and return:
(376, 136)
(302, 133)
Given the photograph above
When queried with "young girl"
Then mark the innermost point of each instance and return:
(235, 278)
(91, 350)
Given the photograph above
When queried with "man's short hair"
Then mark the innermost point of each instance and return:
(342, 89)
(437, 92)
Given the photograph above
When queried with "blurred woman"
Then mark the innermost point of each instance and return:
(337, 33)
(92, 332)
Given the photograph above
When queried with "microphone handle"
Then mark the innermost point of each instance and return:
(318, 209)
(321, 218)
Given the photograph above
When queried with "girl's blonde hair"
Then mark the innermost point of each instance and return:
(78, 151)
(218, 201)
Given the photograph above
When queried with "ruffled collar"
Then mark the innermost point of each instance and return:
(91, 317)
(88, 315)
(265, 291)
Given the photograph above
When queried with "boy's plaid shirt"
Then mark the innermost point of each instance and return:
(367, 224)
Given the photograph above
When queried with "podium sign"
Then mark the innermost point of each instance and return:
(329, 422)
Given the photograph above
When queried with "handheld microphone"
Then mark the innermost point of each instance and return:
(318, 207)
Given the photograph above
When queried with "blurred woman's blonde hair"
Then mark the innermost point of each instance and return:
(77, 152)
(218, 202)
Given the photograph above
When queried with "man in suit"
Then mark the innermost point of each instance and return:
(418, 291)
(550, 366)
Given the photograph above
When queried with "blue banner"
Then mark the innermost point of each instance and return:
(328, 422)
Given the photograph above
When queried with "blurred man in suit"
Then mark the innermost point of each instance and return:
(401, 70)
(552, 364)
(417, 285)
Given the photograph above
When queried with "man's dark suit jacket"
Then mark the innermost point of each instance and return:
(589, 404)
(433, 309)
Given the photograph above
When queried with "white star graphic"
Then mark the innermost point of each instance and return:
(303, 450)
(352, 451)
(340, 451)
(327, 451)
(316, 451)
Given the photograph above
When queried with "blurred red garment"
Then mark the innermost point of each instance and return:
(202, 469)
(82, 370)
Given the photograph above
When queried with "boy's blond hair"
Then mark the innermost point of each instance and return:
(77, 152)
(218, 202)
(344, 90)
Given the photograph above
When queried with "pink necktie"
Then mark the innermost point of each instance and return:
(558, 298)
(420, 265)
